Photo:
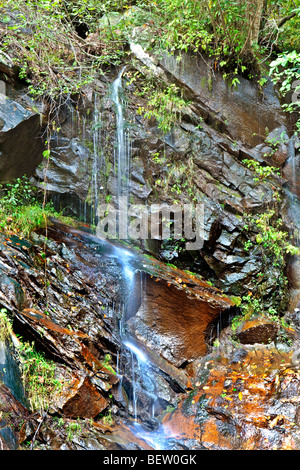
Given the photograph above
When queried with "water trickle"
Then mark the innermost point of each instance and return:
(133, 362)
(294, 218)
(122, 156)
(123, 144)
(292, 158)
(96, 157)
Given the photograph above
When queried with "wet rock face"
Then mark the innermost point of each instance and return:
(82, 400)
(74, 318)
(13, 415)
(244, 113)
(246, 406)
(171, 323)
(21, 145)
(196, 161)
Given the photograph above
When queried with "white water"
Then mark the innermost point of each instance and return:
(122, 158)
(138, 353)
(96, 158)
(140, 371)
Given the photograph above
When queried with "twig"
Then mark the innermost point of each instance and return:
(37, 430)
(7, 57)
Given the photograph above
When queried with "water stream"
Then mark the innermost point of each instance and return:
(138, 368)
(134, 369)
(122, 155)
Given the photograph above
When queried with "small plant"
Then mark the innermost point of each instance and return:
(5, 325)
(263, 172)
(108, 418)
(107, 365)
(272, 238)
(38, 376)
(165, 104)
(73, 429)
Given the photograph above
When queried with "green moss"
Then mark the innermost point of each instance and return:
(237, 300)
(5, 325)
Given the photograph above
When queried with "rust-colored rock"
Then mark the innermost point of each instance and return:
(258, 330)
(177, 307)
(81, 399)
(173, 323)
(246, 406)
(40, 318)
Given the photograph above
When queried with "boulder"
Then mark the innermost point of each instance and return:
(81, 399)
(173, 322)
(258, 330)
(21, 144)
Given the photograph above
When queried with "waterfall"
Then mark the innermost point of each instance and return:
(294, 219)
(123, 150)
(131, 356)
(96, 151)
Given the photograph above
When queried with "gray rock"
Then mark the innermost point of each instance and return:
(21, 144)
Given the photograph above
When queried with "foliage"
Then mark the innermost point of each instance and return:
(5, 325)
(73, 429)
(263, 172)
(272, 238)
(41, 37)
(280, 25)
(285, 71)
(20, 208)
(273, 242)
(38, 376)
(221, 29)
(164, 104)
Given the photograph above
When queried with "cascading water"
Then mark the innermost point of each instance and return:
(122, 153)
(294, 218)
(96, 150)
(131, 354)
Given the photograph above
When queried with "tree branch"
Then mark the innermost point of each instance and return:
(285, 19)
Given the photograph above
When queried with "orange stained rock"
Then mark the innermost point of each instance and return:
(181, 426)
(238, 396)
(43, 320)
(211, 436)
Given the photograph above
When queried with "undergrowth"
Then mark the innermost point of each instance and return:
(21, 208)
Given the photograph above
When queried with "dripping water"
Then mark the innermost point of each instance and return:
(122, 155)
(132, 362)
(294, 221)
(96, 157)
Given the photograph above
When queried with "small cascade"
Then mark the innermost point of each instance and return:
(144, 383)
(122, 155)
(294, 219)
(96, 158)
(134, 368)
